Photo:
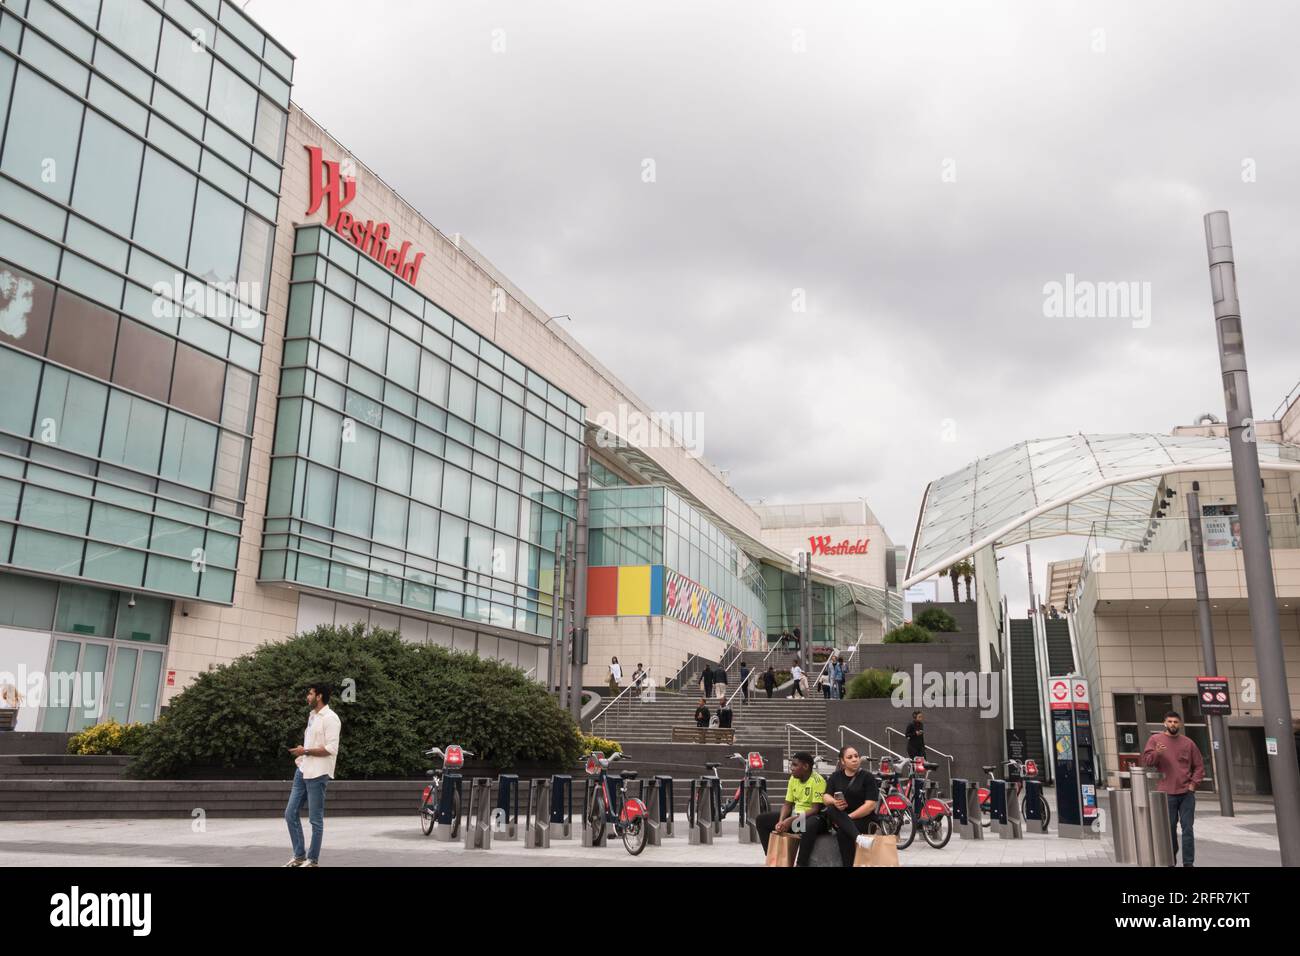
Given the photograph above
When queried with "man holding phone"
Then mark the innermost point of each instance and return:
(1177, 757)
(315, 760)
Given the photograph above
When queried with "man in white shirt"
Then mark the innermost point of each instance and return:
(796, 674)
(315, 760)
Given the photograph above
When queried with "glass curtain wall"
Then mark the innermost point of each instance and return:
(414, 462)
(140, 164)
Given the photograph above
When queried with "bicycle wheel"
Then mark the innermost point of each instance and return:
(427, 808)
(764, 805)
(937, 831)
(1045, 809)
(596, 817)
(986, 814)
(455, 815)
(690, 810)
(633, 832)
(904, 827)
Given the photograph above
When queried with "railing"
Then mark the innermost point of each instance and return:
(625, 696)
(831, 748)
(872, 744)
(928, 749)
(674, 683)
(853, 653)
(758, 669)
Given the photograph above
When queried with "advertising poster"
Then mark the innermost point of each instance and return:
(1221, 527)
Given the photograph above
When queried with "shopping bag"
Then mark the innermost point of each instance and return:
(782, 848)
(883, 851)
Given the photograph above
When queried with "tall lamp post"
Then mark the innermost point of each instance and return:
(1262, 597)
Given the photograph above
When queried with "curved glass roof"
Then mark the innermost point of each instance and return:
(1053, 486)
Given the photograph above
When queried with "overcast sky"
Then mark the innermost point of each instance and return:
(920, 171)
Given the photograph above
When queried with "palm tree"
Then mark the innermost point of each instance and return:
(954, 572)
(968, 575)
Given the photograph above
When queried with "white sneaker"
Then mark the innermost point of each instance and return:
(296, 862)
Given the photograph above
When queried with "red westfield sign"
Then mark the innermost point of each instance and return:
(822, 544)
(328, 185)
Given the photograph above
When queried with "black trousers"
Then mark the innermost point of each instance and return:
(765, 823)
(769, 692)
(830, 820)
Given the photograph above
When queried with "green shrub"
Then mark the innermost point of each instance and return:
(781, 677)
(589, 744)
(872, 684)
(395, 700)
(108, 737)
(908, 634)
(936, 619)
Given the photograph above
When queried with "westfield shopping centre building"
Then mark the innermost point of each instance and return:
(245, 389)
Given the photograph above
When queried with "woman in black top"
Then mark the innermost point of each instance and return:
(849, 813)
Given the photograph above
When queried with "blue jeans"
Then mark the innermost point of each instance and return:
(313, 792)
(1182, 810)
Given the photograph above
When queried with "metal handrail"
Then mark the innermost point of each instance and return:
(757, 669)
(827, 663)
(669, 682)
(948, 757)
(604, 710)
(789, 750)
(874, 743)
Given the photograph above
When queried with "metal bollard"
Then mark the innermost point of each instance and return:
(1119, 804)
(1162, 837)
(667, 817)
(750, 803)
(561, 813)
(1143, 846)
(537, 827)
(478, 817)
(505, 811)
(446, 820)
(702, 831)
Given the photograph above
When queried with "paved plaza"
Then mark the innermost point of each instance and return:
(1250, 839)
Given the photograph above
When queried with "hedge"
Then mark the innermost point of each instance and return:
(908, 634)
(872, 684)
(394, 699)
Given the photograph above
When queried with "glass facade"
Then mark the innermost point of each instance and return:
(651, 524)
(414, 462)
(140, 165)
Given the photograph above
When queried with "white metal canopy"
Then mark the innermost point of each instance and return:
(1052, 486)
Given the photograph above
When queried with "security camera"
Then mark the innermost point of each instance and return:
(185, 610)
(131, 603)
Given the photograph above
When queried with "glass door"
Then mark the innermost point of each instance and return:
(75, 689)
(122, 684)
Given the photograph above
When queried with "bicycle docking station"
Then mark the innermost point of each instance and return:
(589, 836)
(654, 834)
(1033, 804)
(664, 819)
(702, 798)
(561, 814)
(479, 815)
(537, 826)
(966, 809)
(446, 820)
(1005, 813)
(505, 812)
(751, 797)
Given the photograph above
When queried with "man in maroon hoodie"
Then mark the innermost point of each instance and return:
(1179, 759)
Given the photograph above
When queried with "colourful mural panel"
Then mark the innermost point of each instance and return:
(699, 607)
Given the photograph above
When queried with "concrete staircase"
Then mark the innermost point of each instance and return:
(759, 723)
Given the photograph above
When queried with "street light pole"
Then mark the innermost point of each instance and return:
(1262, 597)
(1222, 754)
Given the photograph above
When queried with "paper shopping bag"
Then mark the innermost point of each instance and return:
(883, 851)
(782, 848)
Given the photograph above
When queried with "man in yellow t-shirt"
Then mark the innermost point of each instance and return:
(803, 796)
